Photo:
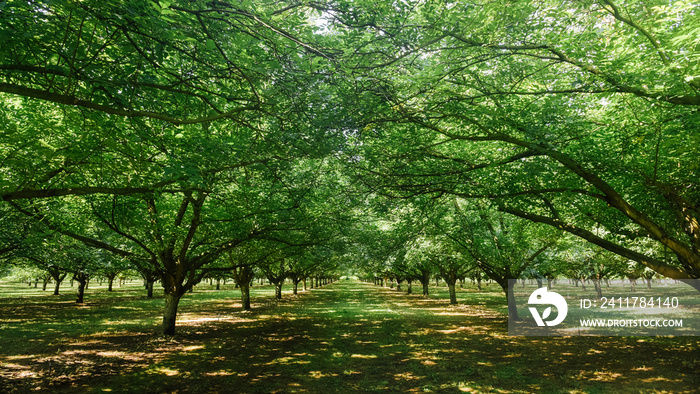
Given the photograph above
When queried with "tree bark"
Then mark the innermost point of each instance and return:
(57, 286)
(598, 289)
(450, 278)
(245, 295)
(58, 279)
(425, 281)
(82, 279)
(110, 282)
(453, 293)
(244, 277)
(172, 299)
(149, 288)
(510, 297)
(278, 291)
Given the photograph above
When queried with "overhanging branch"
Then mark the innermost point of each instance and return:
(73, 100)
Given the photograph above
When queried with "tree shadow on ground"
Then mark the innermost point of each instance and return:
(351, 336)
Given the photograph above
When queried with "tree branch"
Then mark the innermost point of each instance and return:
(73, 100)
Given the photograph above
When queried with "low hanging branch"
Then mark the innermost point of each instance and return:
(85, 240)
(73, 100)
(28, 194)
(657, 265)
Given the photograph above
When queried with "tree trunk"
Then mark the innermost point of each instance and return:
(110, 282)
(57, 286)
(149, 288)
(81, 292)
(278, 291)
(425, 281)
(409, 288)
(296, 286)
(304, 280)
(510, 297)
(453, 293)
(451, 281)
(245, 295)
(82, 279)
(598, 289)
(244, 278)
(170, 313)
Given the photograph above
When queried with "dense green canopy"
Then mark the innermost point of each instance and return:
(394, 137)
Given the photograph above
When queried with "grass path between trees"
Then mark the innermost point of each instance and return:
(345, 337)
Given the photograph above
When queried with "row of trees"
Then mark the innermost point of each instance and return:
(182, 137)
(175, 138)
(59, 258)
(453, 239)
(579, 115)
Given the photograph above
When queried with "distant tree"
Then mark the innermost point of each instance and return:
(503, 247)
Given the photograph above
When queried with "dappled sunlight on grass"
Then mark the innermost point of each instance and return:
(364, 356)
(344, 337)
(166, 371)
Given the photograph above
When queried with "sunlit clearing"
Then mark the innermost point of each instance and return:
(407, 376)
(363, 356)
(320, 374)
(167, 371)
(220, 373)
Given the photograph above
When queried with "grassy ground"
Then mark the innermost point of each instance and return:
(344, 337)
